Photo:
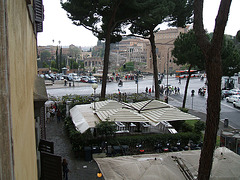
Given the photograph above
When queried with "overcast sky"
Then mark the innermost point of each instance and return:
(58, 27)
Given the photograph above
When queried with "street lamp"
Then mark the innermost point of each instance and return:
(167, 73)
(94, 86)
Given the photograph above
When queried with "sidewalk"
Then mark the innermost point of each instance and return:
(203, 118)
(79, 168)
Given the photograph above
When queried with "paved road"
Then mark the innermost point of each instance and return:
(197, 103)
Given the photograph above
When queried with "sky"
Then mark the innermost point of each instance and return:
(58, 27)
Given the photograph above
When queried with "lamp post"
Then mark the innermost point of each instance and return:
(167, 73)
(94, 86)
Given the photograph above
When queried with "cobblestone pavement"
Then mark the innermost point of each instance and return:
(79, 168)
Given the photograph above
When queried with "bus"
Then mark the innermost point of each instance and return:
(184, 73)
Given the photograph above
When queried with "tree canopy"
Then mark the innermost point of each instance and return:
(187, 51)
(105, 18)
(230, 58)
(155, 12)
(45, 55)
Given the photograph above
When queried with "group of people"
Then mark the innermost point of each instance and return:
(165, 90)
(149, 90)
(169, 90)
(52, 112)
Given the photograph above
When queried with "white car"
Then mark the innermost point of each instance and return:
(236, 104)
(233, 98)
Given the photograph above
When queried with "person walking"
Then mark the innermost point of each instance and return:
(48, 116)
(58, 115)
(65, 169)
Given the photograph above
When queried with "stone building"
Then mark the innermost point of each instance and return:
(93, 62)
(20, 21)
(164, 40)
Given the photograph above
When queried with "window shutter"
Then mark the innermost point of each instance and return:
(39, 15)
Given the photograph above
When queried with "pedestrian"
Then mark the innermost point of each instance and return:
(48, 115)
(65, 169)
(58, 115)
(150, 90)
(146, 89)
(52, 112)
(178, 90)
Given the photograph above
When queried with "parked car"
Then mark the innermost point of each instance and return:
(92, 79)
(226, 93)
(235, 91)
(233, 98)
(236, 104)
(84, 79)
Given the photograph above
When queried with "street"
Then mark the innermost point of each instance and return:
(197, 102)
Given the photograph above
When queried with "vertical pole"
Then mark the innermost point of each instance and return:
(192, 102)
(94, 99)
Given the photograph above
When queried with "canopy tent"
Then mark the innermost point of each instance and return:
(147, 105)
(121, 115)
(151, 112)
(107, 105)
(164, 166)
(83, 117)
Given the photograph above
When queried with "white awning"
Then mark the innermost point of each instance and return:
(83, 117)
(163, 166)
(121, 115)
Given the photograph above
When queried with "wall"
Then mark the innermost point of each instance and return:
(164, 41)
(22, 70)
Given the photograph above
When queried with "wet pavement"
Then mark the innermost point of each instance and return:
(79, 168)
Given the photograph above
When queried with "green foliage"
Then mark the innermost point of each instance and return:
(45, 65)
(75, 65)
(187, 51)
(178, 125)
(182, 13)
(98, 52)
(106, 128)
(186, 127)
(199, 126)
(111, 13)
(230, 58)
(53, 64)
(183, 109)
(45, 55)
(238, 36)
(127, 67)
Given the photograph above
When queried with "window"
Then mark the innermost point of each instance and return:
(39, 16)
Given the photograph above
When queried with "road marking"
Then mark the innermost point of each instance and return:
(231, 107)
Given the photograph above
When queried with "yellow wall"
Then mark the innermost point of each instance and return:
(22, 58)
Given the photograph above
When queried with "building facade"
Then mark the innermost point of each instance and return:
(164, 41)
(19, 23)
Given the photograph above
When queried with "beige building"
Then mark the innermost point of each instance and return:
(93, 62)
(20, 20)
(164, 45)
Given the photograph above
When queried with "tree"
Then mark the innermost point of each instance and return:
(105, 19)
(60, 60)
(128, 66)
(45, 55)
(212, 53)
(106, 128)
(57, 63)
(230, 58)
(154, 12)
(187, 51)
(238, 36)
(75, 65)
(53, 64)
